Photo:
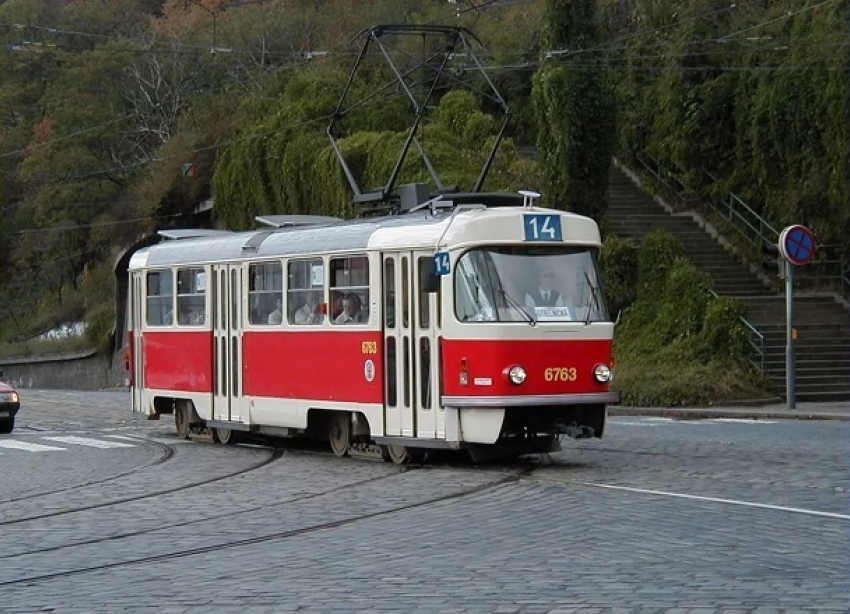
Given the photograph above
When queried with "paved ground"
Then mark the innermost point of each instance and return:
(716, 515)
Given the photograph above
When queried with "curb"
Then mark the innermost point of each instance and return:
(681, 413)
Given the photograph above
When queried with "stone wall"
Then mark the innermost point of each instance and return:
(77, 371)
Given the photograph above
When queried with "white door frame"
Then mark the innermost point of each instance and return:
(411, 403)
(137, 298)
(227, 343)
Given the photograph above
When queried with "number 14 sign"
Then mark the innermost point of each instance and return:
(542, 227)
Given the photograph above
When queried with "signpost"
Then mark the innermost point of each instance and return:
(797, 245)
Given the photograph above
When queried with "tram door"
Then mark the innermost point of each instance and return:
(135, 325)
(410, 354)
(227, 342)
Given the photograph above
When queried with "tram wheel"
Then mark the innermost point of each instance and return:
(181, 419)
(225, 437)
(339, 432)
(400, 455)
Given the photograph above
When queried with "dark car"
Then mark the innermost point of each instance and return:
(10, 402)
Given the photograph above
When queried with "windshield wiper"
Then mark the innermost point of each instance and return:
(517, 306)
(593, 300)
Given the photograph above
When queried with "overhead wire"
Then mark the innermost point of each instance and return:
(529, 65)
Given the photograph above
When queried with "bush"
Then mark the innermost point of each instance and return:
(678, 344)
(619, 263)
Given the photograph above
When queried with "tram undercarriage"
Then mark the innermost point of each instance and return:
(524, 430)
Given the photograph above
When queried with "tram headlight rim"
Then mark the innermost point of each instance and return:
(516, 374)
(602, 373)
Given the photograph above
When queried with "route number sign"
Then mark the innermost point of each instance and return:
(797, 244)
(542, 227)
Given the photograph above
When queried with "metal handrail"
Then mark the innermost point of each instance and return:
(665, 176)
(757, 346)
(754, 228)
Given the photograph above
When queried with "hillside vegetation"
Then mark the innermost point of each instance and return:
(117, 119)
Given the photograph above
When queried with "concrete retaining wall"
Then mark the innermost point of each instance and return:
(77, 371)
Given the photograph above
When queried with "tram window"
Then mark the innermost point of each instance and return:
(234, 300)
(392, 384)
(389, 293)
(349, 277)
(425, 365)
(530, 284)
(306, 292)
(405, 293)
(405, 344)
(160, 298)
(191, 297)
(425, 265)
(265, 293)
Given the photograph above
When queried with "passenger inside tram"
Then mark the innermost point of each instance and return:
(352, 311)
(336, 304)
(311, 311)
(276, 316)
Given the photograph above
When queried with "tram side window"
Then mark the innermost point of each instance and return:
(191, 297)
(306, 292)
(160, 298)
(350, 281)
(265, 293)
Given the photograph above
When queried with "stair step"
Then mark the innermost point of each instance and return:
(822, 350)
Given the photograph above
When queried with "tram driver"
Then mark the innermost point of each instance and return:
(545, 294)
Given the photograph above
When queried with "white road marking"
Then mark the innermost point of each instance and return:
(651, 421)
(29, 447)
(744, 420)
(94, 443)
(778, 508)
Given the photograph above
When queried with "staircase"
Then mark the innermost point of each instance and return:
(822, 350)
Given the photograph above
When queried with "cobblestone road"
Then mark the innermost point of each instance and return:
(661, 516)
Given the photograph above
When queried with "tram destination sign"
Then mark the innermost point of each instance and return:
(797, 244)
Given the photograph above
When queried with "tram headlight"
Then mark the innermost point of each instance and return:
(602, 373)
(517, 375)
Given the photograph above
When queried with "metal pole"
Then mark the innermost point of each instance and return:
(789, 334)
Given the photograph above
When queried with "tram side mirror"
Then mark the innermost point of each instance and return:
(1, 375)
(429, 281)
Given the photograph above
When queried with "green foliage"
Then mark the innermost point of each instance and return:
(658, 253)
(768, 122)
(100, 329)
(678, 343)
(619, 263)
(287, 166)
(575, 107)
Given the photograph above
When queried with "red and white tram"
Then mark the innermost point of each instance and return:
(389, 335)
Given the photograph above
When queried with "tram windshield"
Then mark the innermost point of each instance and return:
(524, 284)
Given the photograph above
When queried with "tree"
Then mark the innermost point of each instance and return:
(575, 106)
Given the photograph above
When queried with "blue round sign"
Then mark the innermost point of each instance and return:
(797, 244)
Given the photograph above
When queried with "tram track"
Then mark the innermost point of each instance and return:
(166, 455)
(274, 455)
(513, 476)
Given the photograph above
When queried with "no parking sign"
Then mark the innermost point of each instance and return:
(797, 244)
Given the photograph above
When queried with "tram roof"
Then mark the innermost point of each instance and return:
(418, 230)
